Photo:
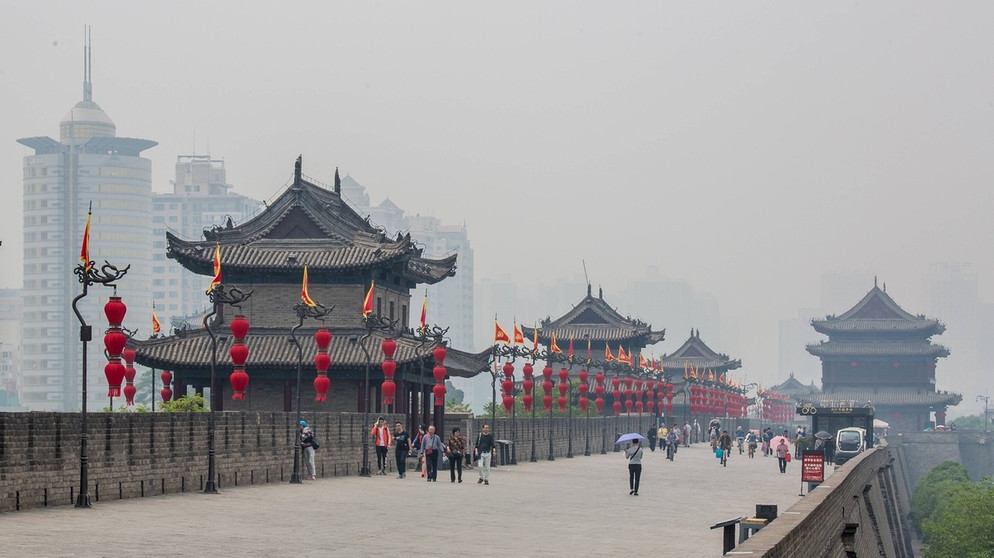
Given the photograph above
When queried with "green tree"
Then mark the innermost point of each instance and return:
(189, 403)
(965, 529)
(971, 422)
(935, 491)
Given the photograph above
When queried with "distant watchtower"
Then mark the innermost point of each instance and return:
(877, 354)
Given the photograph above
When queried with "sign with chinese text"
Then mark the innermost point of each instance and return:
(813, 466)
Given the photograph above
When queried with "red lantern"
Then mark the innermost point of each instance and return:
(389, 347)
(562, 403)
(583, 376)
(508, 370)
(547, 401)
(129, 376)
(617, 407)
(527, 399)
(115, 311)
(507, 386)
(599, 404)
(114, 341)
(439, 372)
(389, 367)
(167, 378)
(508, 402)
(239, 354)
(439, 354)
(322, 383)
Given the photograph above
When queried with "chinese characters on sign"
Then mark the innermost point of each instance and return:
(813, 466)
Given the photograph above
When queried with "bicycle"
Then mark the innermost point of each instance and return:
(670, 450)
(724, 457)
(752, 450)
(739, 442)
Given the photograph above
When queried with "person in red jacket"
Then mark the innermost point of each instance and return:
(382, 441)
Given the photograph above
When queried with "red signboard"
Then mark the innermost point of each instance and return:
(813, 466)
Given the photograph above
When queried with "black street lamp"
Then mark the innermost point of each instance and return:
(430, 337)
(371, 323)
(303, 311)
(218, 297)
(89, 275)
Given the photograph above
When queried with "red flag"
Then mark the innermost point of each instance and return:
(500, 336)
(156, 326)
(217, 269)
(642, 362)
(519, 338)
(570, 352)
(608, 357)
(424, 313)
(535, 342)
(552, 344)
(623, 357)
(305, 297)
(588, 351)
(367, 303)
(84, 250)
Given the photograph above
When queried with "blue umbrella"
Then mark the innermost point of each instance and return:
(629, 437)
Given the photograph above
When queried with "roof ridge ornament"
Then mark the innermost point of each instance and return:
(297, 171)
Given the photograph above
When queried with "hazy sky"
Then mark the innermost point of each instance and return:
(744, 147)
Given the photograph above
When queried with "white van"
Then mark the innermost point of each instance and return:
(849, 442)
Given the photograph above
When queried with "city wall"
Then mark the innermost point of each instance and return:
(133, 455)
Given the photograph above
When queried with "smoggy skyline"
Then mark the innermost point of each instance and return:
(746, 149)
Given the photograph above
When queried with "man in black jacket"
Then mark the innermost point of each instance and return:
(484, 451)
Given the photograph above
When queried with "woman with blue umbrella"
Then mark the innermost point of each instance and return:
(634, 455)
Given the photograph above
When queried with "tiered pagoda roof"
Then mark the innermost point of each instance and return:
(694, 353)
(269, 349)
(308, 225)
(593, 319)
(877, 326)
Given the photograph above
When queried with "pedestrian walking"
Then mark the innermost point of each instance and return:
(402, 448)
(431, 448)
(308, 444)
(381, 439)
(782, 451)
(686, 434)
(416, 446)
(454, 450)
(651, 435)
(634, 455)
(484, 451)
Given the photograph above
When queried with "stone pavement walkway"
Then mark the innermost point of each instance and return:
(568, 507)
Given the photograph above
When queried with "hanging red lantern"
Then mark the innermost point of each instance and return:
(389, 347)
(114, 342)
(508, 402)
(322, 383)
(167, 378)
(439, 372)
(599, 404)
(115, 311)
(528, 384)
(507, 386)
(129, 376)
(508, 370)
(239, 354)
(527, 399)
(547, 402)
(389, 367)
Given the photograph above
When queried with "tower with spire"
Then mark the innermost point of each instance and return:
(88, 163)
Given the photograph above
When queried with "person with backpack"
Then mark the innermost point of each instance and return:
(416, 444)
(402, 448)
(308, 444)
(634, 455)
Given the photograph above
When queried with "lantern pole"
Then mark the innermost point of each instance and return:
(218, 298)
(302, 311)
(436, 336)
(89, 275)
(371, 323)
(569, 409)
(549, 359)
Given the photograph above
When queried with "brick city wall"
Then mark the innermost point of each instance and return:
(860, 509)
(134, 455)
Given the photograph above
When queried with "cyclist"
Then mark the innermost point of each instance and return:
(752, 441)
(672, 439)
(725, 445)
(739, 437)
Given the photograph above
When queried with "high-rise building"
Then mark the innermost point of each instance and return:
(10, 341)
(450, 302)
(201, 199)
(87, 167)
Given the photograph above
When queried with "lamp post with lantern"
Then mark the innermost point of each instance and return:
(321, 337)
(219, 296)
